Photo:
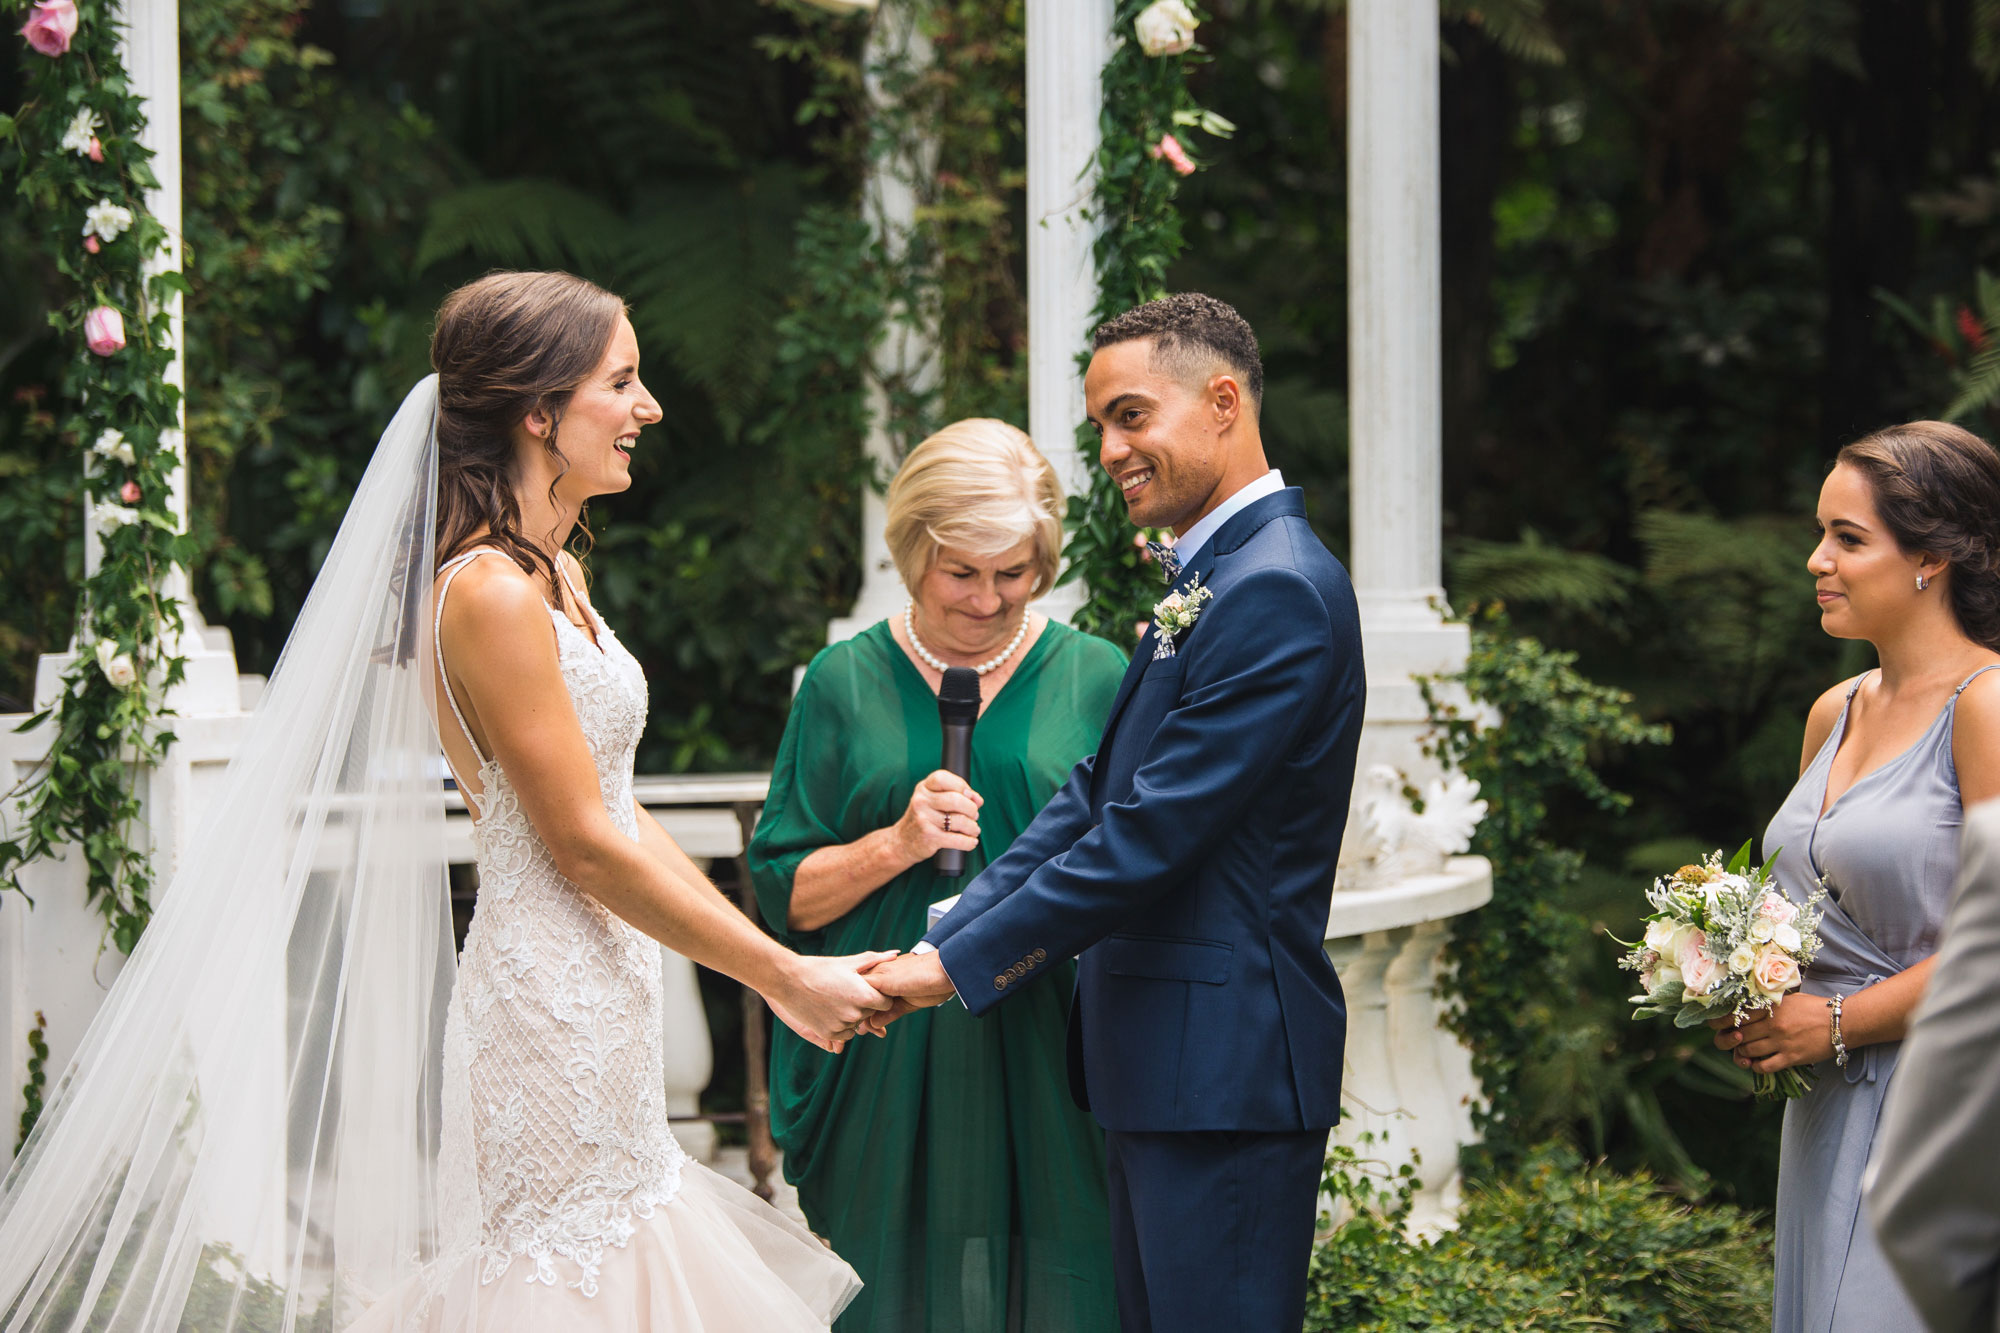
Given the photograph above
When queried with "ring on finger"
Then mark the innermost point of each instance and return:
(947, 823)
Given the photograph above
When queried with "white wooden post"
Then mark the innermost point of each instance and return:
(49, 955)
(1069, 42)
(906, 352)
(1408, 1081)
(1395, 364)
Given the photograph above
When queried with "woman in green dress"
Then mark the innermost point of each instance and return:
(946, 1160)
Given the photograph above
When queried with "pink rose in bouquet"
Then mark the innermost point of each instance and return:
(1777, 909)
(1775, 972)
(1698, 970)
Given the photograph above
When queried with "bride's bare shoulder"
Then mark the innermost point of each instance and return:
(492, 596)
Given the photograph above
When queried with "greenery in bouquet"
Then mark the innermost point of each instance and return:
(1724, 941)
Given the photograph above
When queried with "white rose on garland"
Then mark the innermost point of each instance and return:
(111, 517)
(1165, 28)
(107, 221)
(112, 445)
(116, 666)
(82, 133)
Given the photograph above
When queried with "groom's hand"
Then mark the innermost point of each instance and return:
(913, 981)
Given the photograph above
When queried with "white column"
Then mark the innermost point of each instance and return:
(1069, 42)
(906, 352)
(1395, 374)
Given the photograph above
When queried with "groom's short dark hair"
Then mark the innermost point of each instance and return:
(1191, 332)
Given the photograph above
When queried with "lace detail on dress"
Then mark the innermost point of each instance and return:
(554, 1081)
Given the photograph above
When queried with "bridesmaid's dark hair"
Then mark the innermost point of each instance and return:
(507, 345)
(1937, 487)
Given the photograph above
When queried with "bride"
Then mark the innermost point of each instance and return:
(287, 1115)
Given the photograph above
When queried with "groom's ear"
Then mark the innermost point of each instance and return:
(1225, 399)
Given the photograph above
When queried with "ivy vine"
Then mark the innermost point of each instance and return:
(1141, 157)
(38, 1077)
(84, 172)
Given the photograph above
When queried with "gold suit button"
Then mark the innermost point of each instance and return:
(1000, 982)
(1041, 955)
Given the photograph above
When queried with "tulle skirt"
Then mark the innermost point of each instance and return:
(714, 1259)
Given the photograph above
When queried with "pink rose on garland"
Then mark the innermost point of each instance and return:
(90, 244)
(129, 492)
(96, 150)
(104, 330)
(1176, 156)
(50, 25)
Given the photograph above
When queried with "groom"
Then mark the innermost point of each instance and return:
(1190, 861)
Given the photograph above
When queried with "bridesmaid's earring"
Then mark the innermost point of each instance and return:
(1923, 582)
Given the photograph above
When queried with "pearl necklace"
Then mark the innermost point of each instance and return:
(931, 661)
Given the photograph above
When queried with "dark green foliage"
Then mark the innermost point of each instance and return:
(1141, 234)
(1558, 1247)
(1521, 962)
(38, 1078)
(81, 795)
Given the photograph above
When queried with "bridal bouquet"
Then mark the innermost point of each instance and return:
(1722, 940)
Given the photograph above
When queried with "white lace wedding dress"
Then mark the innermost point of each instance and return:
(589, 1216)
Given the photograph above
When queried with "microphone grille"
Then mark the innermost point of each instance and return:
(961, 686)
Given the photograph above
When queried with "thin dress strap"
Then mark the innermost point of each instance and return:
(1855, 688)
(450, 571)
(575, 596)
(1991, 666)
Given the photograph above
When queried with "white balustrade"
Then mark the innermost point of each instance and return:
(1408, 1093)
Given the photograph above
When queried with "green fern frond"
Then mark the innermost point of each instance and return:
(1979, 385)
(523, 224)
(708, 277)
(1533, 572)
(1986, 39)
(1518, 27)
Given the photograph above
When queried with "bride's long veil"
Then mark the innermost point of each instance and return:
(249, 1136)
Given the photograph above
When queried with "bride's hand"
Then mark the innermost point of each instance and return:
(825, 1000)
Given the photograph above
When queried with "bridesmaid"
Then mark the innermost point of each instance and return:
(946, 1160)
(1909, 560)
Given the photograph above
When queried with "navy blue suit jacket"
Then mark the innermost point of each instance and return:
(1190, 861)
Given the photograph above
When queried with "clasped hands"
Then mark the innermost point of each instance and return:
(833, 1000)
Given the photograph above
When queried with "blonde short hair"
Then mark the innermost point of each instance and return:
(978, 486)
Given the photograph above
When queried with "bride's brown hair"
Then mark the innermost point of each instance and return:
(507, 345)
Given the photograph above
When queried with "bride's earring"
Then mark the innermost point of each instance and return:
(1923, 582)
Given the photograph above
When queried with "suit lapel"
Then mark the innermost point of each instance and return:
(1234, 533)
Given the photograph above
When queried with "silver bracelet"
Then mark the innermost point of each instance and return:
(1833, 1019)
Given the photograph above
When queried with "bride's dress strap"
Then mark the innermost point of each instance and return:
(575, 596)
(449, 571)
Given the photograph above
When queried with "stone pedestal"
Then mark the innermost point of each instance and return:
(1408, 1091)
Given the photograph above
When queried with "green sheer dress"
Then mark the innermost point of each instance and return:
(945, 1161)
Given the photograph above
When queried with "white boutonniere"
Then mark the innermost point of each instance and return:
(1176, 613)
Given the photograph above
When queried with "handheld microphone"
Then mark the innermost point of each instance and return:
(958, 709)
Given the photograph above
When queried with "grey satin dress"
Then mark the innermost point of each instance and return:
(1887, 852)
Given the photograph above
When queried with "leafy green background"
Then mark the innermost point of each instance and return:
(1690, 248)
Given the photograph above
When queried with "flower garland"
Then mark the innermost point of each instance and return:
(85, 172)
(1140, 163)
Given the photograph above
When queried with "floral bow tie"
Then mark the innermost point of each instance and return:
(1170, 564)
